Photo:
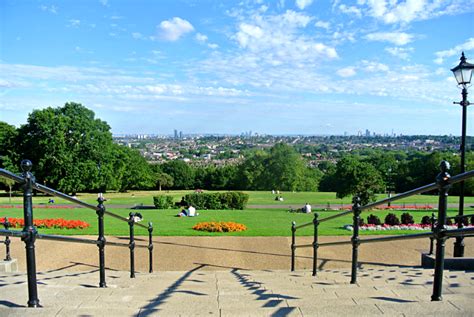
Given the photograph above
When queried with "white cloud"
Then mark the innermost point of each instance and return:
(105, 3)
(201, 37)
(173, 29)
(346, 72)
(322, 24)
(373, 67)
(404, 12)
(302, 4)
(51, 9)
(466, 46)
(400, 52)
(248, 33)
(397, 38)
(74, 23)
(351, 10)
(138, 36)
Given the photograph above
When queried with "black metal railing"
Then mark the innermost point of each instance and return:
(29, 234)
(438, 229)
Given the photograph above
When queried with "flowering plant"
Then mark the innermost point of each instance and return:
(59, 223)
(220, 226)
(40, 206)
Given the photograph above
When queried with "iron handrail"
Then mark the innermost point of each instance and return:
(21, 234)
(12, 233)
(453, 180)
(460, 216)
(53, 192)
(460, 232)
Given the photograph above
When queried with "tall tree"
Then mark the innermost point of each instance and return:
(355, 177)
(70, 148)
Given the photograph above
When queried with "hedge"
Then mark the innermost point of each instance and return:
(226, 200)
(163, 202)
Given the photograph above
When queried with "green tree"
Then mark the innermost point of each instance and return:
(182, 174)
(69, 147)
(355, 177)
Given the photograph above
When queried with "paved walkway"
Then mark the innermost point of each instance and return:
(396, 291)
(235, 276)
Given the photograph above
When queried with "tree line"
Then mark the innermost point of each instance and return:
(73, 151)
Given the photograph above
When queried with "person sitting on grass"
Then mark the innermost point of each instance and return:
(189, 212)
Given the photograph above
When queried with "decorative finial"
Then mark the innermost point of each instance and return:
(463, 58)
(26, 165)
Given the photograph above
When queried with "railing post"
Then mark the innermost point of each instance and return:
(315, 242)
(293, 243)
(150, 245)
(433, 220)
(29, 233)
(7, 242)
(355, 237)
(101, 239)
(131, 246)
(440, 231)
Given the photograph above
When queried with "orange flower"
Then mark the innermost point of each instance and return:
(220, 226)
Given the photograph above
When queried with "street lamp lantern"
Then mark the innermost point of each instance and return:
(463, 72)
(463, 75)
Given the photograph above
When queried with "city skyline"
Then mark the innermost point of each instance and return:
(304, 67)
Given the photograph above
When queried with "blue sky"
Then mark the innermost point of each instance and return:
(274, 67)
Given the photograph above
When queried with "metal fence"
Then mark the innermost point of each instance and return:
(29, 234)
(439, 231)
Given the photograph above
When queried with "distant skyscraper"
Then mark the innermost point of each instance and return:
(367, 133)
(175, 133)
(180, 134)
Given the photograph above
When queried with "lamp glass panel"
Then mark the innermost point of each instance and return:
(458, 75)
(466, 75)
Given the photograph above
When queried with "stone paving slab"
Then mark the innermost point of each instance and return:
(239, 293)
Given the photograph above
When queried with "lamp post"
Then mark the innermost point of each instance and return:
(463, 74)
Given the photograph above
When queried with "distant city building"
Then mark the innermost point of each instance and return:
(175, 134)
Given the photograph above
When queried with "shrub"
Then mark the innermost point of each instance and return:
(163, 201)
(373, 220)
(407, 219)
(426, 220)
(227, 200)
(392, 220)
(449, 222)
(465, 221)
(219, 226)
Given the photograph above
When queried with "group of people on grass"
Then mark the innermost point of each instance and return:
(188, 210)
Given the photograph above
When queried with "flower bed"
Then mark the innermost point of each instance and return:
(372, 227)
(58, 223)
(397, 207)
(219, 226)
(40, 206)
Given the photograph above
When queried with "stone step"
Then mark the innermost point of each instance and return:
(391, 291)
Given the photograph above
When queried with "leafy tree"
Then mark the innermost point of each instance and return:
(357, 178)
(164, 180)
(70, 148)
(182, 174)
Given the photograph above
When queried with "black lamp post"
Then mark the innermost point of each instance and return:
(463, 74)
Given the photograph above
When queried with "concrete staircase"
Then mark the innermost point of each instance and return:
(393, 291)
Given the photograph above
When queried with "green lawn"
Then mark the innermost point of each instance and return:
(296, 199)
(260, 222)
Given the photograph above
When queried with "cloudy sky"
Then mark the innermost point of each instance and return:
(275, 67)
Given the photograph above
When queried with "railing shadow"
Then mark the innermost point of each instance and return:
(154, 304)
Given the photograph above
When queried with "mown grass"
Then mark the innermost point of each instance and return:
(260, 222)
(295, 200)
